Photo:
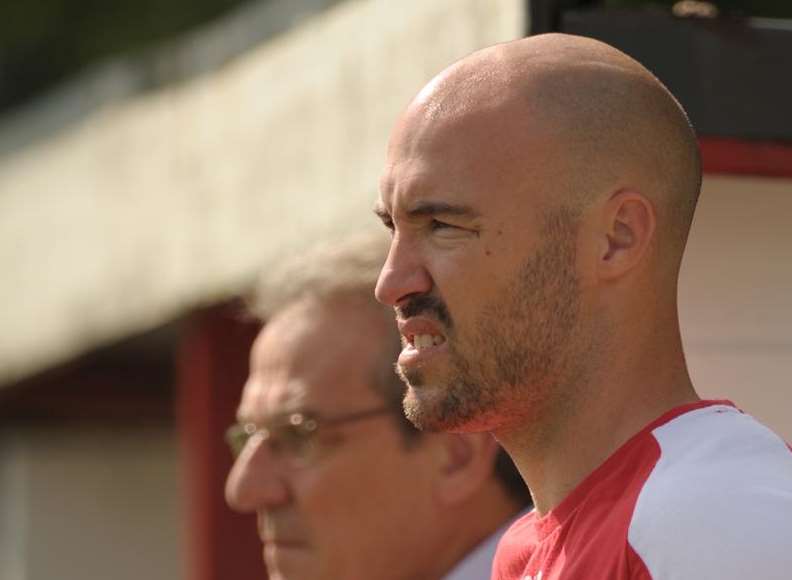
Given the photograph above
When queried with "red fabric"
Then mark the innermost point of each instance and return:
(585, 536)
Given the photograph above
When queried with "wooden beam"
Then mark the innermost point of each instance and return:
(741, 157)
(212, 368)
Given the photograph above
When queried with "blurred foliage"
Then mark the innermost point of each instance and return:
(44, 41)
(736, 8)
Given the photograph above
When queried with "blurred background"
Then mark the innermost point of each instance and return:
(155, 157)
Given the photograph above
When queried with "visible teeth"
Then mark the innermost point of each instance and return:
(422, 341)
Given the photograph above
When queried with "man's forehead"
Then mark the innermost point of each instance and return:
(424, 164)
(264, 396)
(466, 170)
(275, 384)
(402, 187)
(317, 359)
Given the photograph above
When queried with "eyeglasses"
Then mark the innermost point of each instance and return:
(293, 437)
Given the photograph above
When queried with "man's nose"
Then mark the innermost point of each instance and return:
(402, 275)
(256, 480)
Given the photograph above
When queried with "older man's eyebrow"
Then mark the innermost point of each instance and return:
(384, 215)
(380, 211)
(440, 208)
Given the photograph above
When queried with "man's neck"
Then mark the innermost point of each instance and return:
(555, 453)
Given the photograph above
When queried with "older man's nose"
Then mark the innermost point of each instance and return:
(402, 275)
(256, 480)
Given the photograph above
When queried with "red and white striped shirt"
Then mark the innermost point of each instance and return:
(704, 492)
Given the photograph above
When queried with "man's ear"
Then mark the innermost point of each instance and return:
(628, 226)
(467, 461)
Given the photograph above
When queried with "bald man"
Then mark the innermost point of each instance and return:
(540, 194)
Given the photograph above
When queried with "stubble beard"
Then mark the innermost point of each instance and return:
(516, 360)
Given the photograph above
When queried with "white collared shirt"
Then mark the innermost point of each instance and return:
(477, 565)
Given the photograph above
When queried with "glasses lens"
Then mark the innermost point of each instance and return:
(236, 436)
(295, 439)
(291, 438)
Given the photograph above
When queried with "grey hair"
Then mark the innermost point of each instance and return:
(333, 272)
(347, 268)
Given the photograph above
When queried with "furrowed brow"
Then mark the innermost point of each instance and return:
(439, 208)
(380, 211)
(383, 214)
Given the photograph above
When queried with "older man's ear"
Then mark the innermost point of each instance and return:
(465, 465)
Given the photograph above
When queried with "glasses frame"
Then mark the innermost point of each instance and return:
(238, 435)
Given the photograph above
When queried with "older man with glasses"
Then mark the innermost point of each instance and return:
(343, 486)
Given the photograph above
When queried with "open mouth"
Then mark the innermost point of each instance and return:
(422, 337)
(423, 341)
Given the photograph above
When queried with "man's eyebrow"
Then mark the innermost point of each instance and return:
(380, 211)
(434, 208)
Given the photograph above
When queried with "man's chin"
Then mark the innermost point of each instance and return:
(417, 409)
(428, 409)
(448, 405)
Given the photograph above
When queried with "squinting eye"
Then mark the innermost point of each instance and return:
(294, 439)
(435, 225)
(237, 437)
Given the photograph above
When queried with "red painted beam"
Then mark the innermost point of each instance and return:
(740, 157)
(212, 368)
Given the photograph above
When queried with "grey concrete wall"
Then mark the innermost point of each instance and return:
(14, 499)
(90, 504)
(150, 205)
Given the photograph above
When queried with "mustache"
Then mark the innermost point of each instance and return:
(426, 304)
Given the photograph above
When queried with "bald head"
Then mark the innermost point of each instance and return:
(590, 117)
(539, 194)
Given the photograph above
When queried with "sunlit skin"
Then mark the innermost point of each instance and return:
(370, 506)
(538, 191)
